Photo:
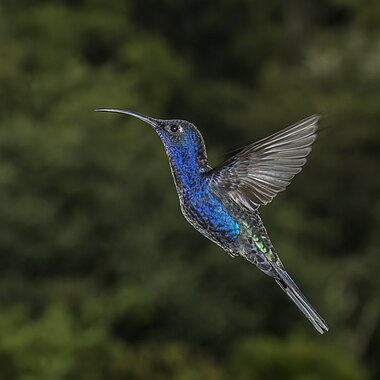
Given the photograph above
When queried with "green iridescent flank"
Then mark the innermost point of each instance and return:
(247, 227)
(259, 244)
(257, 239)
(270, 255)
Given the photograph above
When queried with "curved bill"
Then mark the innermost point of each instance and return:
(149, 120)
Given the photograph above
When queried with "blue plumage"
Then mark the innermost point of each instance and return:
(188, 162)
(222, 203)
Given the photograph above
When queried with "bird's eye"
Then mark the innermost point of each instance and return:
(174, 128)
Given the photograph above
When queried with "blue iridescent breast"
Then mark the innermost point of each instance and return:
(207, 214)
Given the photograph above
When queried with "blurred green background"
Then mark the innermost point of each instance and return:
(100, 275)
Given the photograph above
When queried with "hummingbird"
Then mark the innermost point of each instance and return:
(222, 203)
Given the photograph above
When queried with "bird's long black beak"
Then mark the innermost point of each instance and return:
(147, 119)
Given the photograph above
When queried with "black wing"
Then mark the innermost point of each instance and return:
(255, 175)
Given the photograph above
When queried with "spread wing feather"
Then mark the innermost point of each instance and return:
(255, 175)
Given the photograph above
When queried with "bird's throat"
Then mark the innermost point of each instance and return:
(187, 170)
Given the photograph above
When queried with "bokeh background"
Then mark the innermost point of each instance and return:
(100, 275)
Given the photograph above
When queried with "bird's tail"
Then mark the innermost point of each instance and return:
(291, 289)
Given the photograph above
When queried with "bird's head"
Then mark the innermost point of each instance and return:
(181, 139)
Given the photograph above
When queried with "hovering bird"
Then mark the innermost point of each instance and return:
(222, 203)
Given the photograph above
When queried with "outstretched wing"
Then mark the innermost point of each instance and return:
(257, 173)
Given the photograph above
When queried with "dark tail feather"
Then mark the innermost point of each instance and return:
(291, 289)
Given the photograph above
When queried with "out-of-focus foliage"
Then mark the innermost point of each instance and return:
(101, 277)
(295, 359)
